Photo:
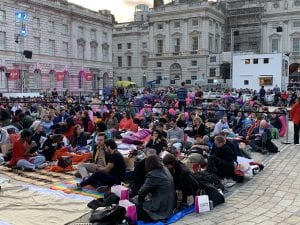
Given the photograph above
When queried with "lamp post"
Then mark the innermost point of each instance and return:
(98, 85)
(7, 74)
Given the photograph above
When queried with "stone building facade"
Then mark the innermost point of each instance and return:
(71, 47)
(192, 40)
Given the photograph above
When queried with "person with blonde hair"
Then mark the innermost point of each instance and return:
(198, 127)
(180, 121)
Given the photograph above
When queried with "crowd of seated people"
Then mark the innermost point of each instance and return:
(208, 135)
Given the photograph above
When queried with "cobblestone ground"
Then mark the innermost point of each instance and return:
(271, 197)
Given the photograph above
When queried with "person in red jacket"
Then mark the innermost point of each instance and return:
(295, 116)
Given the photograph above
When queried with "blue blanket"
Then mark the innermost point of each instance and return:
(174, 218)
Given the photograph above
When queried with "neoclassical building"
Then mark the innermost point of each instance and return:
(194, 40)
(71, 47)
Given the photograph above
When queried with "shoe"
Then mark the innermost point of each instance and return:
(105, 188)
(43, 165)
(264, 151)
(297, 144)
(229, 183)
(74, 186)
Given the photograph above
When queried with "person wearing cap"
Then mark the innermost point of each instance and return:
(295, 116)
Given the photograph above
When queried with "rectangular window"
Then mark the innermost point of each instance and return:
(104, 37)
(188, 81)
(217, 44)
(255, 61)
(266, 60)
(172, 81)
(210, 43)
(195, 22)
(236, 47)
(2, 15)
(51, 26)
(129, 64)
(119, 61)
(194, 63)
(211, 25)
(119, 46)
(65, 29)
(296, 24)
(80, 31)
(194, 77)
(194, 43)
(94, 53)
(296, 44)
(177, 24)
(160, 45)
(144, 61)
(65, 49)
(80, 51)
(158, 78)
(246, 82)
(128, 45)
(266, 81)
(36, 22)
(144, 45)
(2, 40)
(37, 45)
(210, 81)
(119, 78)
(52, 47)
(213, 59)
(160, 26)
(247, 61)
(212, 72)
(93, 35)
(275, 45)
(158, 64)
(177, 45)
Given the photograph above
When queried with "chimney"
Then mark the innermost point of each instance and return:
(158, 3)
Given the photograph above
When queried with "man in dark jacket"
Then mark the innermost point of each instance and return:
(183, 179)
(221, 161)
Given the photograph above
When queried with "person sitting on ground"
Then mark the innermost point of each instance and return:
(139, 173)
(21, 158)
(52, 143)
(183, 180)
(87, 123)
(181, 123)
(105, 177)
(175, 134)
(275, 121)
(157, 142)
(38, 136)
(126, 122)
(47, 123)
(156, 199)
(98, 161)
(220, 126)
(222, 159)
(198, 127)
(200, 145)
(261, 139)
(78, 139)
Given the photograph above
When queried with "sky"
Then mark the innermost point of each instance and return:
(123, 10)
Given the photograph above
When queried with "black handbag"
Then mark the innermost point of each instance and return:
(111, 216)
(64, 162)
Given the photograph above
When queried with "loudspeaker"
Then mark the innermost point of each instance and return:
(27, 54)
(279, 29)
(236, 33)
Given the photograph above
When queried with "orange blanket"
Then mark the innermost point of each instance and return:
(76, 158)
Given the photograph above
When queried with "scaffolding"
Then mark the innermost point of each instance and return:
(243, 29)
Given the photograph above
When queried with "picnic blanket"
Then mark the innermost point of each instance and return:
(27, 205)
(86, 191)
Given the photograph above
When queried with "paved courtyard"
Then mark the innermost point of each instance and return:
(271, 197)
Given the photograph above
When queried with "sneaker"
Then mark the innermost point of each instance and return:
(105, 188)
(43, 165)
(229, 183)
(264, 151)
(297, 144)
(74, 186)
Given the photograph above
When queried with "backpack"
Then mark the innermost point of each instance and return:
(207, 177)
(111, 216)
